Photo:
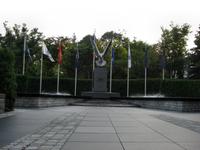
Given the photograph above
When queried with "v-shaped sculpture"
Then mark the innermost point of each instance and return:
(100, 62)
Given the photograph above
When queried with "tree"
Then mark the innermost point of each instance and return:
(173, 43)
(7, 76)
(14, 40)
(194, 57)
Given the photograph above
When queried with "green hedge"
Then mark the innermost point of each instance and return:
(7, 77)
(175, 88)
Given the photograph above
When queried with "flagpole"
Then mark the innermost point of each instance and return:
(111, 72)
(127, 82)
(75, 87)
(145, 81)
(145, 71)
(58, 78)
(76, 69)
(163, 74)
(128, 67)
(24, 56)
(93, 68)
(41, 65)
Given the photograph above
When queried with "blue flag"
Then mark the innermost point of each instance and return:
(162, 61)
(113, 55)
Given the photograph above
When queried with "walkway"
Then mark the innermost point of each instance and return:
(100, 128)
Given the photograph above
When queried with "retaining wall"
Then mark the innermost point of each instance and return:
(43, 101)
(183, 105)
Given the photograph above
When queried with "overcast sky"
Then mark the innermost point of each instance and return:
(138, 18)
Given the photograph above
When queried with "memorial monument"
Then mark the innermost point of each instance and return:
(99, 81)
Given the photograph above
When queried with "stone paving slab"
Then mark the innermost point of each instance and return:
(188, 124)
(52, 136)
(108, 128)
(151, 146)
(92, 146)
(106, 137)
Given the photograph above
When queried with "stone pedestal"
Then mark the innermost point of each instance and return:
(100, 89)
(2, 103)
(100, 80)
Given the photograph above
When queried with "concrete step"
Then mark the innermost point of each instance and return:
(102, 103)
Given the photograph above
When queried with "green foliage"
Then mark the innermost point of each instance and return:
(174, 88)
(7, 77)
(194, 57)
(181, 88)
(173, 45)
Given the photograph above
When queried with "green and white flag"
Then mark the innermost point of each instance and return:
(46, 52)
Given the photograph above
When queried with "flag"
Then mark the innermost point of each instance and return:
(60, 54)
(77, 57)
(29, 55)
(129, 56)
(46, 52)
(162, 61)
(113, 55)
(145, 57)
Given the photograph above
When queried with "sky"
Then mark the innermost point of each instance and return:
(142, 19)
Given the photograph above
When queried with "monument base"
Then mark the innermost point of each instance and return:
(101, 94)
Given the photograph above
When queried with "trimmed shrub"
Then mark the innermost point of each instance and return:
(174, 88)
(7, 77)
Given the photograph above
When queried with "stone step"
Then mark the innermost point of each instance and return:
(102, 103)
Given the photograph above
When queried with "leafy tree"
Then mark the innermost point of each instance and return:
(194, 57)
(173, 43)
(14, 40)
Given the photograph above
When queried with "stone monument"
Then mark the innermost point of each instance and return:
(99, 87)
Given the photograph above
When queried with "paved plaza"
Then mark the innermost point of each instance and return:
(99, 128)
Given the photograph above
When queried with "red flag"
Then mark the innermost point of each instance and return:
(60, 54)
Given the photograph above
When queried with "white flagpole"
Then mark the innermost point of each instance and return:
(41, 65)
(145, 70)
(58, 78)
(111, 62)
(145, 81)
(24, 55)
(93, 68)
(127, 82)
(76, 68)
(128, 67)
(75, 87)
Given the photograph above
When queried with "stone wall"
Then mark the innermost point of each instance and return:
(174, 105)
(2, 103)
(43, 101)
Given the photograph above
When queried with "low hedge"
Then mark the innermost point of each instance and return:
(174, 88)
(7, 77)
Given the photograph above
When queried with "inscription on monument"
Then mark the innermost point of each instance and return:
(100, 79)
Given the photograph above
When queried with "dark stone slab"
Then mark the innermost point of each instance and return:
(100, 94)
(188, 124)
